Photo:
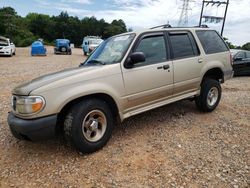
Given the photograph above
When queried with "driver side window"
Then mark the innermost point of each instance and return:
(241, 55)
(154, 49)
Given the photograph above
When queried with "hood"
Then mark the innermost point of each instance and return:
(26, 88)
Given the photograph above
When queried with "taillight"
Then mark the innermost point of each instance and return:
(231, 59)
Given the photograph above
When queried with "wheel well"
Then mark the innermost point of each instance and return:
(102, 96)
(215, 73)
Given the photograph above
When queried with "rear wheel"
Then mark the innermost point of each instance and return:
(88, 125)
(210, 95)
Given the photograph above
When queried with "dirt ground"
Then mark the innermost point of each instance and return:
(172, 146)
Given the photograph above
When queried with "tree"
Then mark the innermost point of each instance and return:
(246, 46)
(24, 30)
(230, 45)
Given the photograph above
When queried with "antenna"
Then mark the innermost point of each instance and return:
(183, 21)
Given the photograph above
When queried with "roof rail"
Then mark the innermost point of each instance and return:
(204, 25)
(162, 26)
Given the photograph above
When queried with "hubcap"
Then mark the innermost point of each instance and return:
(94, 125)
(212, 96)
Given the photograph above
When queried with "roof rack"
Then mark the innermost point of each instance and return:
(204, 25)
(169, 26)
(162, 26)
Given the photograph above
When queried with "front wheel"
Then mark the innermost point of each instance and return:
(210, 95)
(88, 125)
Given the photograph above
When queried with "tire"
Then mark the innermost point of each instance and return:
(210, 95)
(82, 129)
(14, 53)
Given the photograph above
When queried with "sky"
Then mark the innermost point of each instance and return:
(140, 14)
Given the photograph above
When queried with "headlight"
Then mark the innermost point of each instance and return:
(27, 105)
(6, 48)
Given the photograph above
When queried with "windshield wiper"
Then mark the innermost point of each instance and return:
(95, 61)
(92, 62)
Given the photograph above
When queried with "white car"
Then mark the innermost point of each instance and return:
(7, 47)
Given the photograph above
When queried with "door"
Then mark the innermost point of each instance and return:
(187, 64)
(241, 63)
(150, 81)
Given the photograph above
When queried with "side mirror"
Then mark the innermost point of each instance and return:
(136, 57)
(238, 59)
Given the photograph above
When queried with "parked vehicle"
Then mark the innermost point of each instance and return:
(126, 75)
(241, 62)
(90, 43)
(62, 47)
(7, 47)
(38, 49)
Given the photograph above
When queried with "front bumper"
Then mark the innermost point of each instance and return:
(5, 52)
(33, 129)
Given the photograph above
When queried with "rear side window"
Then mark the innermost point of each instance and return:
(183, 45)
(211, 42)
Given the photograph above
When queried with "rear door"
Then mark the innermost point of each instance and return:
(247, 61)
(150, 81)
(186, 62)
(240, 63)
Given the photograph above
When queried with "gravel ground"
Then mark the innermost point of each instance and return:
(172, 146)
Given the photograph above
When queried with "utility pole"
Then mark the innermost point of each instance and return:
(183, 21)
(214, 18)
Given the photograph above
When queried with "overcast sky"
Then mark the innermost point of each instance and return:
(139, 14)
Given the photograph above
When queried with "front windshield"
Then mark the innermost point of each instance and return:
(110, 51)
(4, 42)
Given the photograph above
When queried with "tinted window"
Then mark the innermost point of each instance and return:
(211, 42)
(241, 55)
(247, 54)
(153, 48)
(182, 45)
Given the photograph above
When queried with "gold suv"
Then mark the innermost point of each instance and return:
(126, 75)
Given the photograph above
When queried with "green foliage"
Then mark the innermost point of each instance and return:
(230, 45)
(24, 30)
(246, 46)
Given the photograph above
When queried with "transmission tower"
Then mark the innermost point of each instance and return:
(183, 21)
(214, 18)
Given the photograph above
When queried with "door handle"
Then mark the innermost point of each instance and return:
(200, 60)
(165, 67)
